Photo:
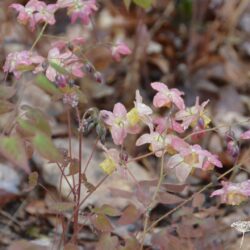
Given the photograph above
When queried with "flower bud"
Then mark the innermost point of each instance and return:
(89, 68)
(233, 148)
(101, 132)
(61, 81)
(98, 77)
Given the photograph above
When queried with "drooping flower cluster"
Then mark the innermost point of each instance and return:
(64, 63)
(79, 9)
(233, 193)
(190, 157)
(163, 132)
(19, 62)
(35, 12)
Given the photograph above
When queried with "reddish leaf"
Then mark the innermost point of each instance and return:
(167, 198)
(107, 210)
(198, 200)
(6, 197)
(12, 148)
(6, 106)
(121, 193)
(74, 167)
(175, 188)
(186, 231)
(25, 245)
(131, 244)
(129, 215)
(71, 246)
(101, 222)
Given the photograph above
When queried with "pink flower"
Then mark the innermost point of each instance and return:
(233, 193)
(61, 45)
(140, 113)
(67, 60)
(45, 13)
(167, 124)
(82, 9)
(117, 122)
(119, 50)
(194, 116)
(166, 96)
(245, 135)
(35, 12)
(158, 142)
(19, 62)
(189, 158)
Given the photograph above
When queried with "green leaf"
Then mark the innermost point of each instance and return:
(24, 128)
(107, 210)
(6, 106)
(7, 92)
(130, 215)
(62, 206)
(58, 68)
(46, 85)
(101, 222)
(143, 3)
(127, 3)
(45, 147)
(35, 121)
(12, 148)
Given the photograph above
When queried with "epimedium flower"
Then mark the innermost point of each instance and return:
(167, 97)
(117, 122)
(190, 157)
(35, 12)
(159, 143)
(233, 193)
(66, 60)
(194, 116)
(70, 45)
(120, 49)
(167, 124)
(82, 9)
(140, 113)
(111, 161)
(19, 62)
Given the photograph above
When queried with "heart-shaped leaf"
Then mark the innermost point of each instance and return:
(101, 222)
(107, 210)
(12, 148)
(45, 147)
(129, 215)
